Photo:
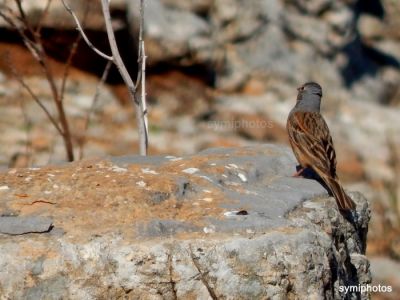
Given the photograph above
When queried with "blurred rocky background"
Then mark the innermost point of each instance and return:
(222, 73)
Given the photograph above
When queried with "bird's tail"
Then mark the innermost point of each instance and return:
(343, 201)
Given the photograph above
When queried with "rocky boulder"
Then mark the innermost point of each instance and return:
(220, 224)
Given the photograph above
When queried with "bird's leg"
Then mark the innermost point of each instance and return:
(299, 171)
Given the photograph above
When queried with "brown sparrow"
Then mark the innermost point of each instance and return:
(312, 143)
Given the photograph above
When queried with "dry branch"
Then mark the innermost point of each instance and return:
(31, 37)
(139, 102)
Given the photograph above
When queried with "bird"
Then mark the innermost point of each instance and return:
(312, 142)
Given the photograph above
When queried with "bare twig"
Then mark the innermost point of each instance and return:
(82, 32)
(71, 55)
(42, 17)
(33, 42)
(20, 9)
(143, 138)
(67, 66)
(93, 105)
(139, 102)
(142, 58)
(35, 98)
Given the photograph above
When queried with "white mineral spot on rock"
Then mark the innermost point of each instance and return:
(225, 176)
(196, 203)
(207, 199)
(206, 178)
(107, 176)
(310, 204)
(100, 165)
(141, 183)
(118, 169)
(149, 171)
(251, 193)
(12, 171)
(27, 179)
(213, 164)
(209, 229)
(230, 214)
(249, 231)
(4, 188)
(242, 177)
(190, 170)
(233, 166)
(173, 158)
(207, 191)
(50, 175)
(55, 186)
(47, 192)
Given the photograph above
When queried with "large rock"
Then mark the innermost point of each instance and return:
(275, 41)
(225, 223)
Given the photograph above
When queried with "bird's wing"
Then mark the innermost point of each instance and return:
(309, 133)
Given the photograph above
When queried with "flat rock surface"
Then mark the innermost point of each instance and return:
(219, 223)
(184, 194)
(24, 225)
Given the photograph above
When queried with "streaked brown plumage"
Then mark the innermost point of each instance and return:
(312, 143)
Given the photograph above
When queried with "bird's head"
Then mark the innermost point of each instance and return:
(309, 97)
(310, 88)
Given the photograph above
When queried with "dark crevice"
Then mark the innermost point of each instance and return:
(171, 272)
(58, 43)
(203, 275)
(364, 60)
(371, 7)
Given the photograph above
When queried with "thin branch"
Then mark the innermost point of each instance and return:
(71, 55)
(27, 41)
(42, 17)
(36, 99)
(142, 55)
(23, 17)
(33, 42)
(143, 137)
(93, 105)
(80, 29)
(143, 89)
(20, 9)
(139, 102)
(68, 64)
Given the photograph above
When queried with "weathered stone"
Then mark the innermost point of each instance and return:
(58, 17)
(245, 230)
(169, 33)
(16, 225)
